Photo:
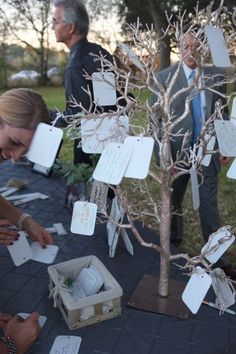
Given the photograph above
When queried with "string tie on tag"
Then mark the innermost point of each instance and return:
(59, 286)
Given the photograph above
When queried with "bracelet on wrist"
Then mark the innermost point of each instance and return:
(9, 344)
(21, 221)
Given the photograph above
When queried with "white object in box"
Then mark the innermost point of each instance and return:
(87, 283)
(82, 312)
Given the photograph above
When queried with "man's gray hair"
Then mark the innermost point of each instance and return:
(75, 12)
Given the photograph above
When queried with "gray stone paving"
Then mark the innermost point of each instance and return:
(25, 289)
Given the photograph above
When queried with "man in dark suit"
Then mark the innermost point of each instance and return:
(192, 123)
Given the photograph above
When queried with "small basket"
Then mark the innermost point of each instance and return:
(85, 311)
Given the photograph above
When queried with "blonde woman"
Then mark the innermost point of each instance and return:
(21, 110)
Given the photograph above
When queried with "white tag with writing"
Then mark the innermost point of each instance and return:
(104, 88)
(196, 289)
(20, 251)
(112, 163)
(217, 244)
(83, 218)
(231, 173)
(139, 163)
(127, 241)
(113, 230)
(97, 133)
(226, 136)
(43, 255)
(233, 109)
(66, 345)
(210, 147)
(218, 47)
(225, 292)
(99, 195)
(132, 56)
(42, 319)
(194, 187)
(45, 145)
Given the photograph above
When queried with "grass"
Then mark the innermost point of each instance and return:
(193, 241)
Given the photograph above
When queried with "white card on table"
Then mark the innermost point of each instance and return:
(83, 218)
(195, 188)
(226, 136)
(97, 133)
(20, 251)
(139, 163)
(196, 289)
(43, 255)
(210, 147)
(42, 319)
(233, 109)
(104, 91)
(218, 47)
(215, 241)
(66, 345)
(45, 145)
(132, 56)
(112, 163)
(231, 173)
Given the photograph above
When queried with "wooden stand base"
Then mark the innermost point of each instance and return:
(146, 297)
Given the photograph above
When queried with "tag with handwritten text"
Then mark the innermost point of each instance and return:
(83, 218)
(226, 136)
(218, 47)
(66, 345)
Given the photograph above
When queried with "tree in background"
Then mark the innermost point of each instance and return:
(30, 16)
(3, 52)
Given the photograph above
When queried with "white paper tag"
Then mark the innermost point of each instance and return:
(194, 187)
(113, 231)
(226, 136)
(20, 251)
(66, 345)
(196, 289)
(45, 145)
(104, 88)
(97, 133)
(233, 109)
(218, 47)
(99, 195)
(127, 242)
(216, 240)
(83, 218)
(225, 293)
(210, 147)
(139, 163)
(132, 56)
(43, 255)
(42, 319)
(231, 173)
(112, 163)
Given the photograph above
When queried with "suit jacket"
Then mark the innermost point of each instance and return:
(178, 106)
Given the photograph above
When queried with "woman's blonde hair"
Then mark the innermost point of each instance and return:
(23, 108)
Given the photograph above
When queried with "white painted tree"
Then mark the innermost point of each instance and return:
(145, 46)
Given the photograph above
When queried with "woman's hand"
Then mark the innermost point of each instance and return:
(23, 333)
(37, 232)
(4, 319)
(7, 236)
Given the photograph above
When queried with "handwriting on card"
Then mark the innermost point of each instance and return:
(83, 218)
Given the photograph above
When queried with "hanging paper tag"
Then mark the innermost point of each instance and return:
(99, 195)
(218, 47)
(233, 109)
(139, 163)
(196, 289)
(210, 147)
(97, 133)
(83, 218)
(20, 251)
(217, 244)
(225, 294)
(66, 345)
(42, 319)
(194, 187)
(113, 230)
(127, 242)
(45, 145)
(112, 163)
(226, 136)
(43, 255)
(231, 173)
(104, 88)
(132, 56)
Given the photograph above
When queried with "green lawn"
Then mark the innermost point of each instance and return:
(193, 241)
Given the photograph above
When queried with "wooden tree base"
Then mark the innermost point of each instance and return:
(146, 297)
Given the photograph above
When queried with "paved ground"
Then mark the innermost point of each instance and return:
(25, 289)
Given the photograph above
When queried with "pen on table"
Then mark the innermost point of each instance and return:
(211, 304)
